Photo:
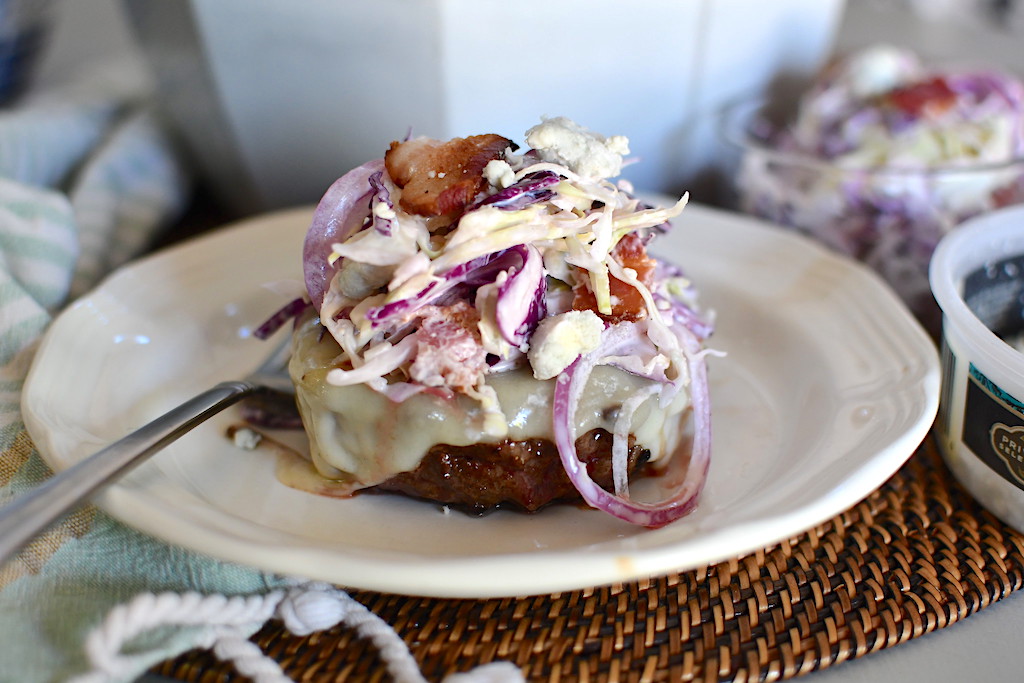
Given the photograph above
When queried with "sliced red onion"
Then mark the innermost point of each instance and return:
(692, 320)
(475, 272)
(635, 365)
(636, 354)
(530, 189)
(569, 387)
(381, 196)
(340, 213)
(289, 311)
(664, 269)
(620, 440)
(521, 304)
(682, 312)
(982, 84)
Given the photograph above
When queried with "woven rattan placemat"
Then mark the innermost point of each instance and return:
(916, 555)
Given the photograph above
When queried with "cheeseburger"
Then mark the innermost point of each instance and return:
(487, 328)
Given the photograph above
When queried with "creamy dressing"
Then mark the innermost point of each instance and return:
(361, 437)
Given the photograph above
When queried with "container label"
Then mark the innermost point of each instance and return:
(994, 427)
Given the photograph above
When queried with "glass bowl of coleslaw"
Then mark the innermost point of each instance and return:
(884, 178)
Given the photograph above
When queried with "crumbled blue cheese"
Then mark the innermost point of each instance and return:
(246, 438)
(561, 339)
(382, 210)
(499, 173)
(563, 141)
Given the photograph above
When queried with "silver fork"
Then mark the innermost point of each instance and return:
(32, 513)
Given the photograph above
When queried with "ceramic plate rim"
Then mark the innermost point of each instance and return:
(538, 573)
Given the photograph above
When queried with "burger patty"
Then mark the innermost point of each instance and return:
(527, 474)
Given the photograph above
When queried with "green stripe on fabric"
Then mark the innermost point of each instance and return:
(40, 293)
(18, 336)
(37, 248)
(32, 209)
(36, 294)
(10, 432)
(24, 330)
(32, 285)
(10, 290)
(31, 474)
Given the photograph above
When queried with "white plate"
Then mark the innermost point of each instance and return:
(828, 387)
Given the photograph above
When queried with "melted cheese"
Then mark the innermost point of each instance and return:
(360, 437)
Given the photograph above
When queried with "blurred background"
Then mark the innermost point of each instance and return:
(271, 100)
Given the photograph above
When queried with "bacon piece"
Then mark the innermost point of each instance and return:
(934, 95)
(627, 303)
(1008, 195)
(441, 178)
(448, 349)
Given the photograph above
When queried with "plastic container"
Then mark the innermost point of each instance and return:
(977, 276)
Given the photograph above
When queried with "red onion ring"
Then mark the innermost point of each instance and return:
(340, 213)
(568, 388)
(521, 302)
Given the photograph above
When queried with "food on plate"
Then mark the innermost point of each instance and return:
(885, 155)
(488, 328)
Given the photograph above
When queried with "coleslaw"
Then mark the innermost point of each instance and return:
(885, 155)
(432, 284)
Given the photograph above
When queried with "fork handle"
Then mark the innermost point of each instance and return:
(31, 513)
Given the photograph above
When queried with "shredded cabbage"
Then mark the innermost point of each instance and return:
(885, 156)
(520, 252)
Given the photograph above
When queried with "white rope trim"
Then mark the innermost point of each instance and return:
(305, 608)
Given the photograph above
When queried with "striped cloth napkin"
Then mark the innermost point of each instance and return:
(87, 178)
